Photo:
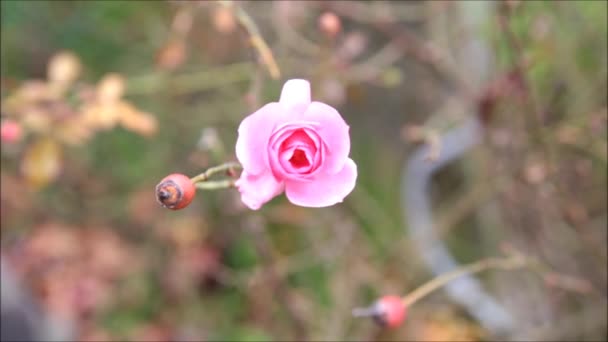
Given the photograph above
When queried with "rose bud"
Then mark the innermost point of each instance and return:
(330, 24)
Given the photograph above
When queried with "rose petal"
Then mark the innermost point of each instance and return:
(254, 132)
(334, 132)
(291, 134)
(295, 93)
(319, 149)
(258, 189)
(325, 190)
(297, 138)
(284, 130)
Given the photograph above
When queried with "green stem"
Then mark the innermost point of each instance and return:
(214, 185)
(203, 177)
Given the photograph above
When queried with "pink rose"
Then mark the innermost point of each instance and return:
(297, 146)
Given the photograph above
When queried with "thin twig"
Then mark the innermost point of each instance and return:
(466, 204)
(423, 51)
(190, 80)
(290, 37)
(256, 38)
(530, 100)
(512, 262)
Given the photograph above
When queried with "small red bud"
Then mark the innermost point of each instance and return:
(330, 24)
(392, 311)
(175, 191)
(388, 311)
(10, 131)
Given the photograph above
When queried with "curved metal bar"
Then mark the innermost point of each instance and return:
(416, 176)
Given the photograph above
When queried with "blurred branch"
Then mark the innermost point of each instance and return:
(466, 204)
(256, 38)
(372, 67)
(567, 327)
(520, 69)
(191, 81)
(372, 213)
(264, 248)
(512, 262)
(296, 263)
(424, 51)
(289, 36)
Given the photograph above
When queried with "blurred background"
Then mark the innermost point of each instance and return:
(102, 99)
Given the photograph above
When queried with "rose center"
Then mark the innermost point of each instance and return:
(299, 159)
(294, 153)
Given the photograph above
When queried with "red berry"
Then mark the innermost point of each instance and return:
(10, 131)
(388, 311)
(175, 191)
(391, 311)
(330, 24)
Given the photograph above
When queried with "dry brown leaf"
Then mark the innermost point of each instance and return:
(63, 68)
(101, 116)
(136, 121)
(111, 88)
(172, 55)
(75, 131)
(447, 329)
(36, 120)
(28, 93)
(42, 162)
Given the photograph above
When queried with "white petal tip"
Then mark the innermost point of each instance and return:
(295, 92)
